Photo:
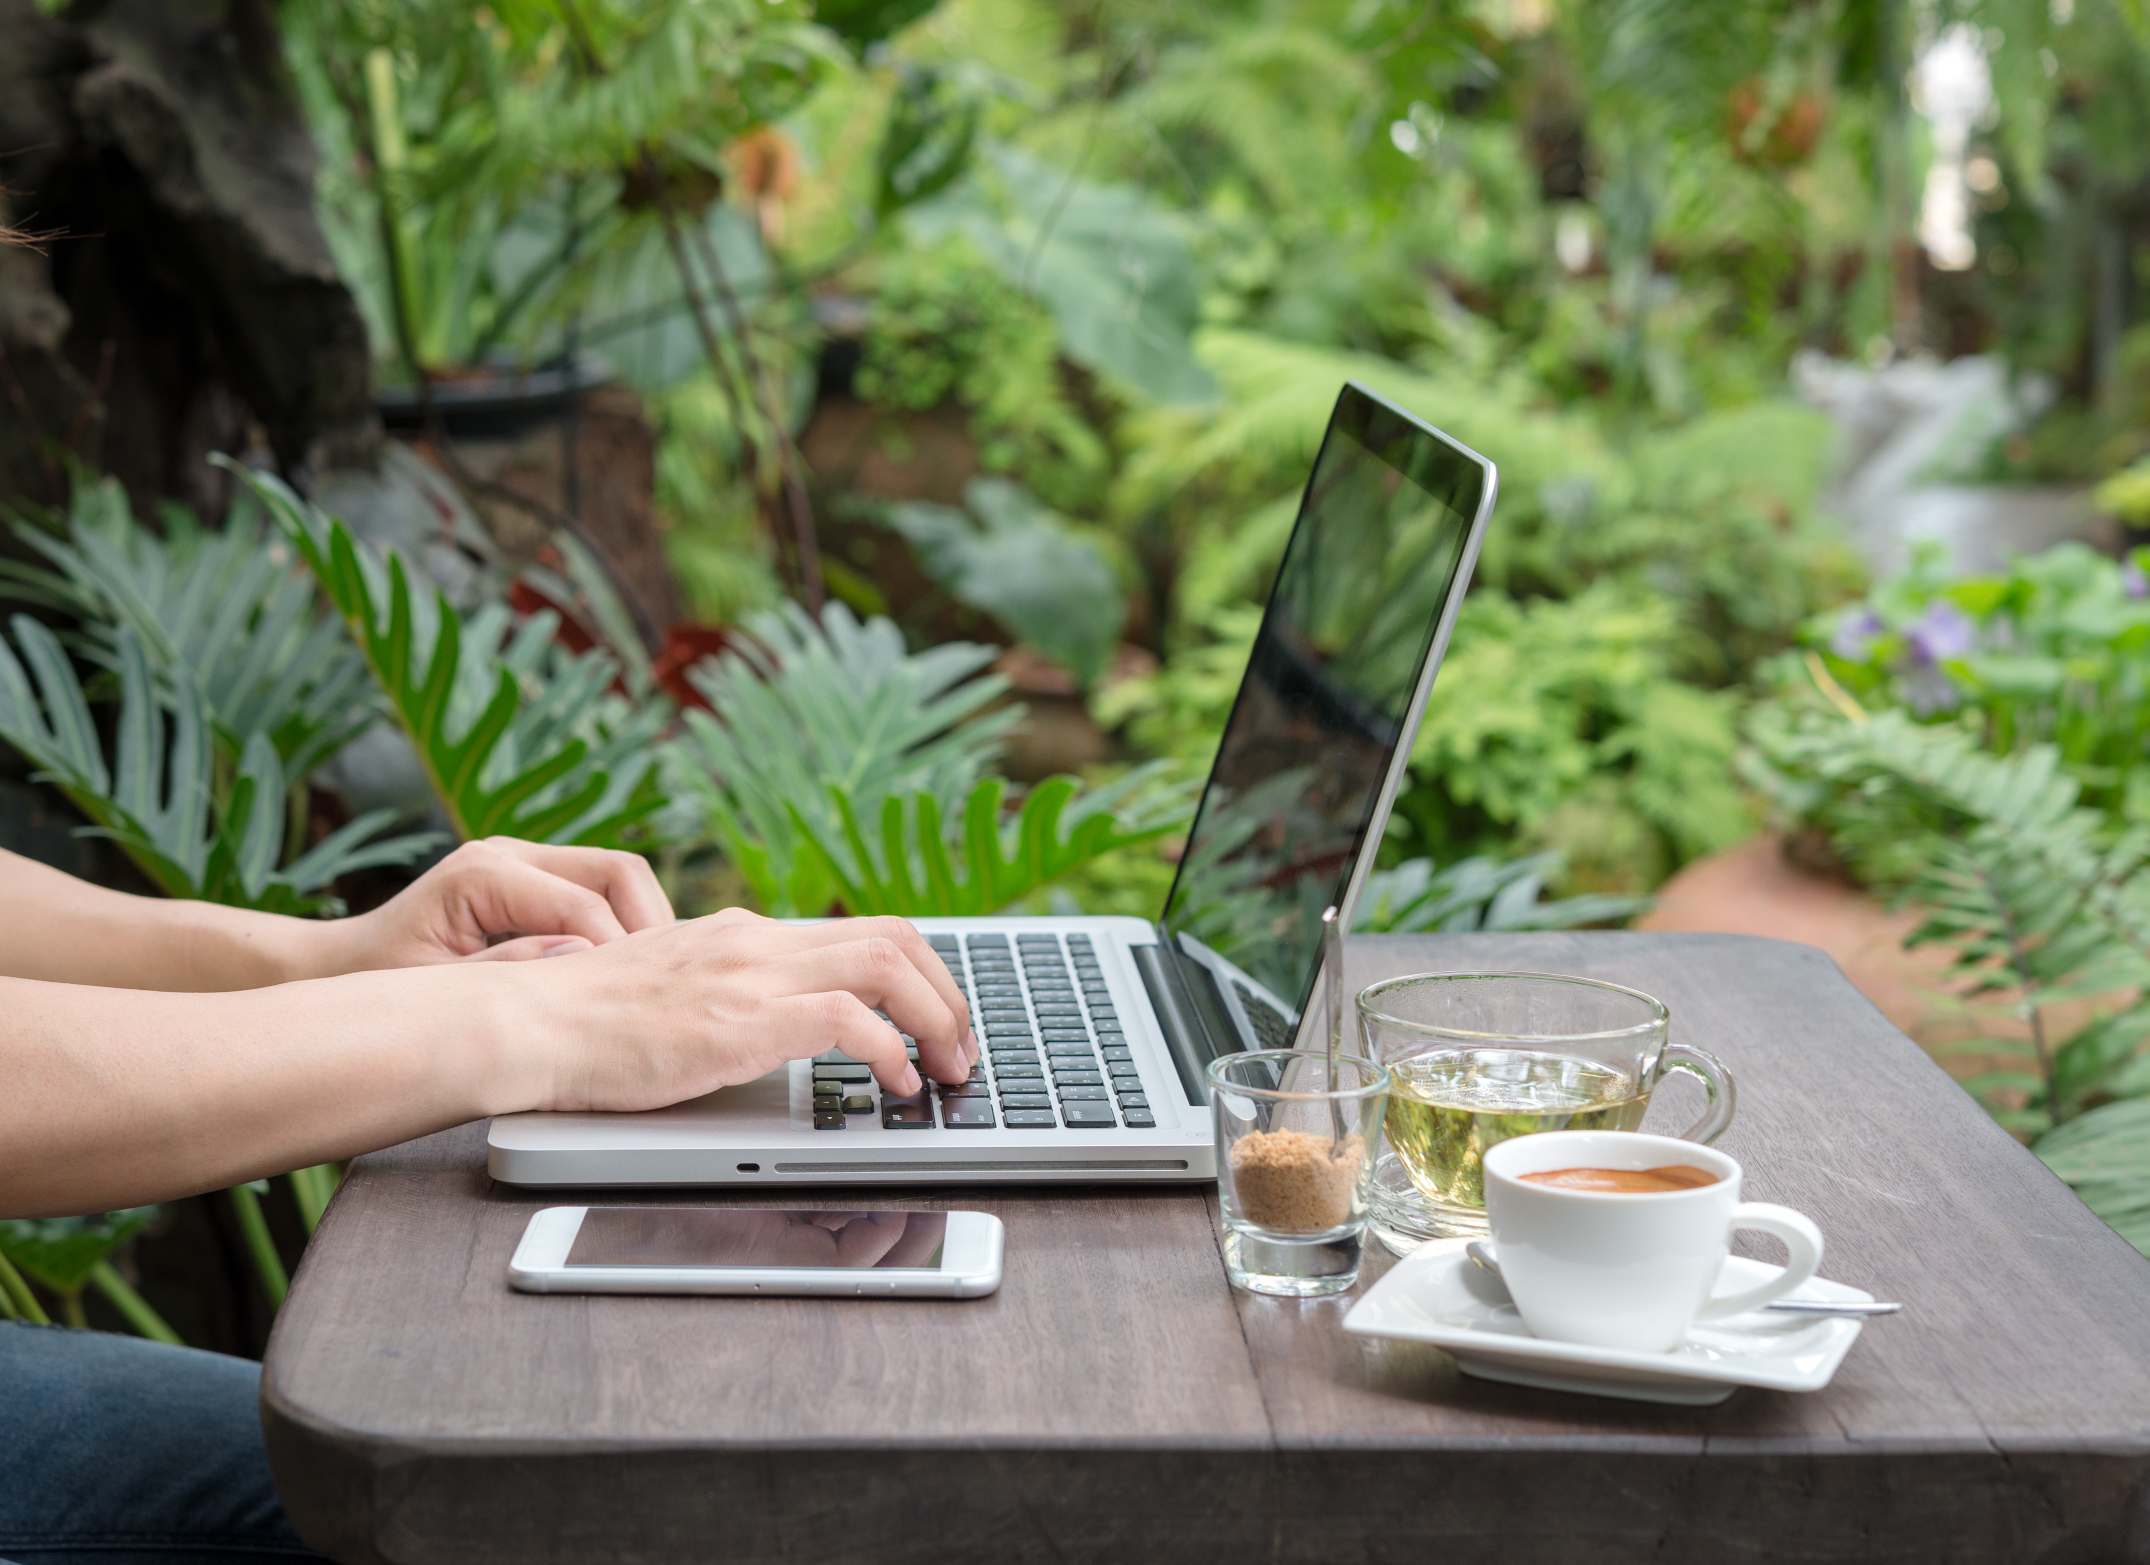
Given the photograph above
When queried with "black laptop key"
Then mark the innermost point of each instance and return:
(1140, 1119)
(968, 1114)
(1025, 1100)
(1082, 1094)
(906, 1116)
(1077, 1074)
(1134, 1100)
(841, 1073)
(974, 1088)
(829, 1119)
(1030, 1119)
(1019, 1072)
(1089, 1116)
(1117, 1053)
(858, 1103)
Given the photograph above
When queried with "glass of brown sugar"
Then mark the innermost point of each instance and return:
(1296, 1134)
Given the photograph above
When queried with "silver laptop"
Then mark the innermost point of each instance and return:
(1095, 1031)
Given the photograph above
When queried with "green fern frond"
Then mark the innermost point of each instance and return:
(516, 737)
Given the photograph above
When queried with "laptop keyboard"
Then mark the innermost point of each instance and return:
(1052, 1052)
(1272, 1028)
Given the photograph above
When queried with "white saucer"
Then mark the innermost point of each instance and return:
(1438, 1296)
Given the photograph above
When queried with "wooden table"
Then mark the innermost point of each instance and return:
(1116, 1402)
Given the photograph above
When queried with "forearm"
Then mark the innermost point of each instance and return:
(115, 1097)
(63, 930)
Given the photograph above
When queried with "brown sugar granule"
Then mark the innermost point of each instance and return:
(1295, 1182)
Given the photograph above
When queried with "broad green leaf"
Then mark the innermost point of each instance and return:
(1045, 583)
(926, 144)
(1115, 269)
(61, 1252)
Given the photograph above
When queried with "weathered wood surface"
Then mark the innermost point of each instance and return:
(1115, 1402)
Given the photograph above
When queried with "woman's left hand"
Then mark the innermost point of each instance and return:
(502, 900)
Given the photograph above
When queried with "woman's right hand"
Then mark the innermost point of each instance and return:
(671, 1013)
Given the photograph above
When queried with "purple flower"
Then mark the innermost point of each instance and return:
(1855, 633)
(2134, 581)
(1942, 632)
(1926, 690)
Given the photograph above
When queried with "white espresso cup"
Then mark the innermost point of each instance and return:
(1628, 1270)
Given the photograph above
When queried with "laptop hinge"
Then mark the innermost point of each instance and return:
(1190, 1012)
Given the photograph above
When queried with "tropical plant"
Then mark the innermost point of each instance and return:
(842, 772)
(68, 1255)
(159, 798)
(223, 610)
(945, 326)
(1594, 741)
(1047, 584)
(1482, 893)
(1113, 267)
(2051, 650)
(517, 737)
(2042, 900)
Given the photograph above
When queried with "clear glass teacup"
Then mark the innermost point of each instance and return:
(1475, 1059)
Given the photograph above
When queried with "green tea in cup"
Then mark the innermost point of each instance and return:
(1476, 1059)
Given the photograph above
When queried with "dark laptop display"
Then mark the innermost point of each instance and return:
(1329, 686)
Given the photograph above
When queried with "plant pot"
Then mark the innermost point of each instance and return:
(491, 402)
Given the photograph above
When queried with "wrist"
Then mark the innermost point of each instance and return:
(518, 1030)
(222, 948)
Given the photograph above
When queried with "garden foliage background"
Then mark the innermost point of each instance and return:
(980, 348)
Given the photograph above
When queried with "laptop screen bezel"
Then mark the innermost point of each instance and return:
(1372, 421)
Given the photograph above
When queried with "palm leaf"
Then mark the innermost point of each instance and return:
(1483, 893)
(517, 737)
(911, 867)
(838, 769)
(226, 612)
(157, 799)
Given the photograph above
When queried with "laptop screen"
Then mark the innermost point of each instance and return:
(1320, 713)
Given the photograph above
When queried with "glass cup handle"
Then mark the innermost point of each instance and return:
(1716, 1081)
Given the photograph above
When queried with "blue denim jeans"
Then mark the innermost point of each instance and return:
(116, 1451)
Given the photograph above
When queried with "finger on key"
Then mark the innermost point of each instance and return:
(813, 1022)
(905, 936)
(880, 973)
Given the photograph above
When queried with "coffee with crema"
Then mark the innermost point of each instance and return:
(1625, 1181)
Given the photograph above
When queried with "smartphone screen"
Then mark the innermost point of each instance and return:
(730, 1238)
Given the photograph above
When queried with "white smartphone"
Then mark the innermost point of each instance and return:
(728, 1249)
